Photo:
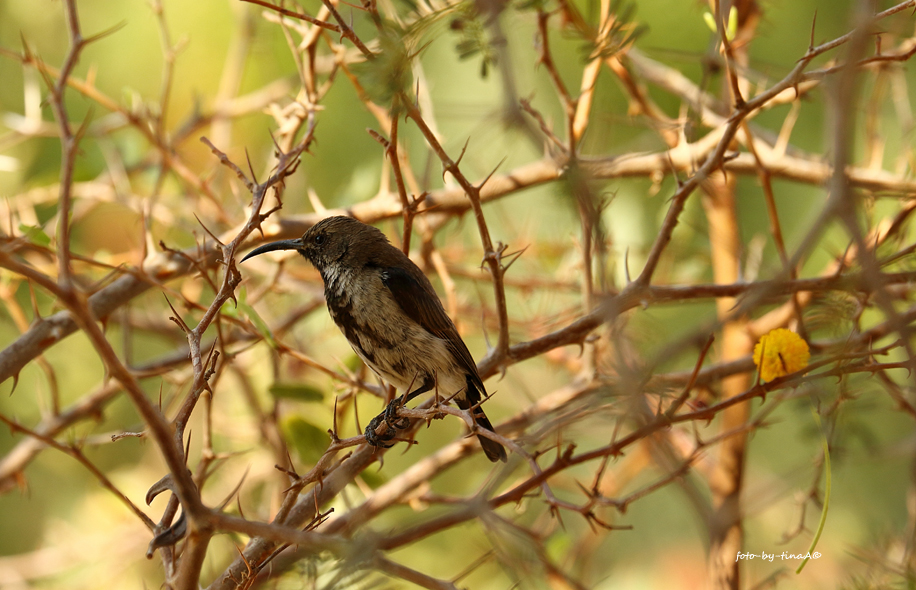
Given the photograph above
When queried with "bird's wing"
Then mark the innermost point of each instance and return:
(419, 301)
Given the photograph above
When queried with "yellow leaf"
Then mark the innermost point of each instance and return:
(780, 352)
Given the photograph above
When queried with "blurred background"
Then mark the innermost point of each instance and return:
(490, 86)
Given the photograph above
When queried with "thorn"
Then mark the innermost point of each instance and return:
(254, 177)
(811, 40)
(36, 312)
(109, 31)
(333, 431)
(490, 175)
(278, 151)
(379, 138)
(513, 257)
(445, 167)
(177, 318)
(209, 233)
(463, 150)
(26, 50)
(81, 131)
(415, 54)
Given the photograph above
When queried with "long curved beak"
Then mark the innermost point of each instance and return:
(281, 245)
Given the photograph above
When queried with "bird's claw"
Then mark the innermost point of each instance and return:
(390, 418)
(391, 415)
(379, 440)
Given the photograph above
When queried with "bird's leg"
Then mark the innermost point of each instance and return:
(428, 383)
(391, 412)
(379, 440)
(390, 418)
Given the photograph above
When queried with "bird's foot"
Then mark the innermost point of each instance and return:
(391, 415)
(379, 440)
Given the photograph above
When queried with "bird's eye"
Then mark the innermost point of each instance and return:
(319, 239)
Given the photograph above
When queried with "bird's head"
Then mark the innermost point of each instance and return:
(333, 241)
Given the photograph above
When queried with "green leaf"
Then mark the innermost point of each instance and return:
(248, 312)
(389, 73)
(710, 21)
(296, 391)
(35, 234)
(353, 362)
(828, 472)
(373, 478)
(230, 310)
(474, 39)
(309, 441)
(732, 30)
(259, 324)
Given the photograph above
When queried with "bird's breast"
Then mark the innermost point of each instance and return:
(364, 310)
(395, 347)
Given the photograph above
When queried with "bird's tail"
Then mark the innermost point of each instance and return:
(492, 449)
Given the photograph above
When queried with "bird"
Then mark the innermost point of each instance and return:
(393, 319)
